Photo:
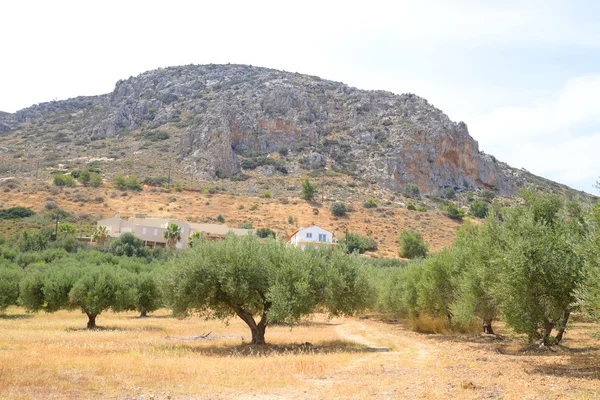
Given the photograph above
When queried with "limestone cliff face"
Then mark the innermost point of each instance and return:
(217, 115)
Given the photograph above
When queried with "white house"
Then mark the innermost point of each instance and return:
(313, 235)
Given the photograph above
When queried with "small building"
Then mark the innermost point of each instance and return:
(151, 230)
(313, 235)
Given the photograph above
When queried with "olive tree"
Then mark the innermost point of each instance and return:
(540, 270)
(478, 250)
(76, 283)
(588, 294)
(264, 282)
(10, 277)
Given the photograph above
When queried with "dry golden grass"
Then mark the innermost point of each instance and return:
(51, 356)
(383, 224)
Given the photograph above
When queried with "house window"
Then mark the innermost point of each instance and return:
(155, 232)
(143, 231)
(322, 237)
(309, 235)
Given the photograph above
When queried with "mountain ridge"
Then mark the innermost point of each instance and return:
(222, 120)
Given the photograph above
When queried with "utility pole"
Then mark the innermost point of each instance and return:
(169, 178)
(56, 229)
(323, 187)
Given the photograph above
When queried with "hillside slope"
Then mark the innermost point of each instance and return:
(208, 121)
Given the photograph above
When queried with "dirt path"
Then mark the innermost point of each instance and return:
(403, 364)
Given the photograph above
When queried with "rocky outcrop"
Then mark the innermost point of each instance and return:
(219, 114)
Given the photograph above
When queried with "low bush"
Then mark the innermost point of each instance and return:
(265, 233)
(479, 208)
(452, 211)
(411, 245)
(64, 180)
(338, 209)
(16, 213)
(411, 190)
(370, 203)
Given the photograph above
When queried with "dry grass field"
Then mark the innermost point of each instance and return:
(50, 356)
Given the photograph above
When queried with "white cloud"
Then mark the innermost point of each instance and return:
(546, 137)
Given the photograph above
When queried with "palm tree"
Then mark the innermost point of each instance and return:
(193, 237)
(67, 229)
(100, 235)
(173, 235)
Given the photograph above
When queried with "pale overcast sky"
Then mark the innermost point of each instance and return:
(523, 75)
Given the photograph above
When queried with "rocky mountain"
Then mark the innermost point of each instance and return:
(220, 120)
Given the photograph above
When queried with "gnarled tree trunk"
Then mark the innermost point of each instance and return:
(143, 314)
(563, 326)
(91, 321)
(487, 327)
(258, 330)
(548, 326)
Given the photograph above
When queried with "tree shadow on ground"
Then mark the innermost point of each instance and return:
(506, 343)
(582, 366)
(249, 350)
(308, 324)
(16, 316)
(148, 328)
(150, 316)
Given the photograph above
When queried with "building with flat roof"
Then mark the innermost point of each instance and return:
(151, 230)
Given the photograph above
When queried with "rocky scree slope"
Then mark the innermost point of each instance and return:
(219, 119)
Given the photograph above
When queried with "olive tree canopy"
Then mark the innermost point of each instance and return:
(247, 277)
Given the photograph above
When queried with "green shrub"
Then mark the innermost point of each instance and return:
(454, 212)
(410, 206)
(95, 180)
(128, 245)
(155, 136)
(84, 177)
(370, 243)
(338, 209)
(487, 195)
(133, 182)
(64, 180)
(119, 181)
(267, 194)
(220, 219)
(411, 190)
(16, 213)
(370, 203)
(178, 187)
(265, 233)
(308, 190)
(158, 181)
(449, 193)
(353, 242)
(411, 245)
(246, 225)
(421, 208)
(358, 242)
(479, 208)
